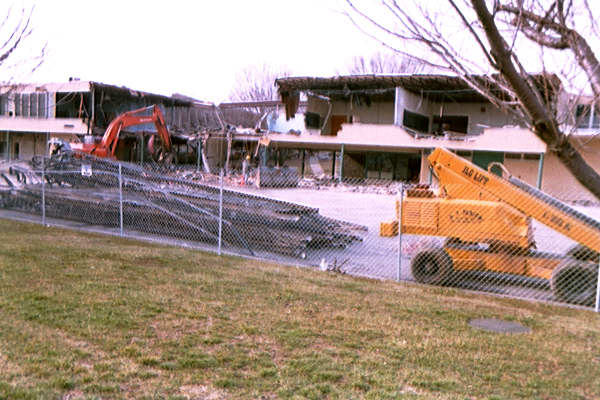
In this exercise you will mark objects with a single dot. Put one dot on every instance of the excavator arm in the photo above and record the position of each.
(107, 147)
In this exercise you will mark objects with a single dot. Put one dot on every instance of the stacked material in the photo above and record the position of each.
(87, 190)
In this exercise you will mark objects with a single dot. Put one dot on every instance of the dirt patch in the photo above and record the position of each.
(198, 392)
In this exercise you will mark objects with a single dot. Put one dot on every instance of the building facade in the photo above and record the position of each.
(384, 126)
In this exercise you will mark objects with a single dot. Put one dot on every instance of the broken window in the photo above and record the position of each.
(415, 121)
(452, 123)
(312, 120)
(72, 105)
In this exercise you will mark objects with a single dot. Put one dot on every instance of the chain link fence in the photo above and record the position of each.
(452, 235)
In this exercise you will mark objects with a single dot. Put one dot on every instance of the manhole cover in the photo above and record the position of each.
(498, 325)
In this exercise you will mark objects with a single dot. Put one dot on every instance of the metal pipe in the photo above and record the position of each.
(142, 149)
(120, 201)
(540, 171)
(399, 216)
(198, 155)
(43, 192)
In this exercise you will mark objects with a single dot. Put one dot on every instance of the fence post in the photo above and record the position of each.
(43, 191)
(399, 216)
(597, 308)
(120, 201)
(220, 211)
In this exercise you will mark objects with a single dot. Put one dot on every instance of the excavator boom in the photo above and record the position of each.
(107, 147)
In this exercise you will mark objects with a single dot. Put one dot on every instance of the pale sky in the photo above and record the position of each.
(191, 47)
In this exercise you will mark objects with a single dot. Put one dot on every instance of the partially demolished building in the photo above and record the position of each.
(31, 114)
(383, 126)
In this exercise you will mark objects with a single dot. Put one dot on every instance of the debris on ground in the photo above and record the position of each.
(86, 189)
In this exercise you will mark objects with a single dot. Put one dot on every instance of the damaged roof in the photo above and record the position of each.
(434, 87)
(78, 86)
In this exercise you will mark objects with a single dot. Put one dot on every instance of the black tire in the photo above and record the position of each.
(583, 253)
(575, 282)
(432, 267)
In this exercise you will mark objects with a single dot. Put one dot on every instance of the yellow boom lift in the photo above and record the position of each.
(487, 222)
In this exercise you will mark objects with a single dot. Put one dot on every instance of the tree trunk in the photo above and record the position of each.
(544, 124)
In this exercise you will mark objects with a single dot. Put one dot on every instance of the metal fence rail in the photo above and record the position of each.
(348, 226)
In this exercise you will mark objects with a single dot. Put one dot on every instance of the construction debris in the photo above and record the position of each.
(86, 189)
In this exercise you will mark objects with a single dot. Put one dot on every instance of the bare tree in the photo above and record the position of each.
(257, 83)
(17, 56)
(490, 48)
(384, 63)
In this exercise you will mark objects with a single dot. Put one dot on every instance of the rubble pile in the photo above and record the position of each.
(347, 185)
(176, 207)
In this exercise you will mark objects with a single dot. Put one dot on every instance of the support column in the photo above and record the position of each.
(341, 164)
(7, 146)
(540, 171)
(333, 165)
(303, 162)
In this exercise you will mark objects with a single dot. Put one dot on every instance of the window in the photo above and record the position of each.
(4, 104)
(513, 156)
(18, 105)
(43, 105)
(586, 116)
(415, 121)
(312, 120)
(33, 105)
(454, 123)
(25, 104)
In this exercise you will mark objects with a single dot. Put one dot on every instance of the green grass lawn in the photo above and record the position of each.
(88, 316)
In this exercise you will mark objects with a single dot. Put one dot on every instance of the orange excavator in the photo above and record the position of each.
(108, 145)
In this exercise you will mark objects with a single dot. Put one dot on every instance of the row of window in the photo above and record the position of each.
(25, 105)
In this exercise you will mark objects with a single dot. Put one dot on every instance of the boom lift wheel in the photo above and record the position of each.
(574, 281)
(432, 266)
(583, 253)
